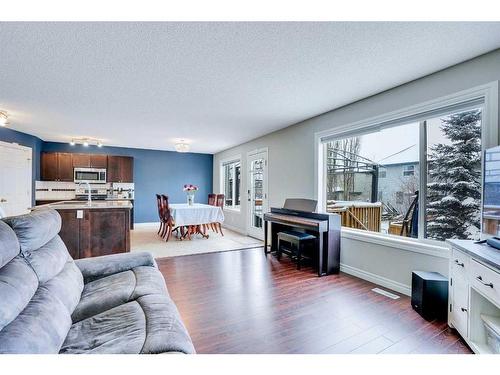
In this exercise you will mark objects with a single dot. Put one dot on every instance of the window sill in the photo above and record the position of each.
(406, 244)
(232, 210)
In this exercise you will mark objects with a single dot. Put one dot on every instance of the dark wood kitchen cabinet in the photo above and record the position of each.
(98, 232)
(98, 161)
(56, 166)
(90, 161)
(120, 169)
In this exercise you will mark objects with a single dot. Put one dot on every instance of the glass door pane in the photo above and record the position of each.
(257, 195)
(257, 192)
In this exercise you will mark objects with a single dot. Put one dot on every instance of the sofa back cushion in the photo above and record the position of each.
(42, 285)
(9, 245)
(35, 229)
(18, 284)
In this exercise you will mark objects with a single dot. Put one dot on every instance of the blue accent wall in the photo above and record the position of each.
(163, 172)
(13, 136)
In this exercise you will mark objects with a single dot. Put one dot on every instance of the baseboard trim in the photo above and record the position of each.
(377, 279)
(147, 224)
(235, 229)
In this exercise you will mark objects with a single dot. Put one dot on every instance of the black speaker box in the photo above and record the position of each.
(429, 294)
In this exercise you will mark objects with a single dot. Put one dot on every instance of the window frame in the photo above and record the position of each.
(223, 164)
(487, 93)
(412, 170)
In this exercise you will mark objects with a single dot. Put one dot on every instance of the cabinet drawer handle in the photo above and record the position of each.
(458, 263)
(480, 279)
(463, 309)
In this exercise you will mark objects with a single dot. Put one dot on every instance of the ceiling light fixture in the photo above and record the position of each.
(86, 142)
(182, 146)
(3, 118)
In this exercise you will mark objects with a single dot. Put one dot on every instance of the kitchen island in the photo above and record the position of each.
(94, 229)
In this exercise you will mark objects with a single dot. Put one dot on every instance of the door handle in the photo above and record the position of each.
(480, 279)
(463, 309)
(458, 263)
(2, 200)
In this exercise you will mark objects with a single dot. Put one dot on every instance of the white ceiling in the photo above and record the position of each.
(216, 85)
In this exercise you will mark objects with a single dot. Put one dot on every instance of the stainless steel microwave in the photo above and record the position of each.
(90, 175)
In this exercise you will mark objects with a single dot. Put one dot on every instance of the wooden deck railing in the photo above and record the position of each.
(359, 215)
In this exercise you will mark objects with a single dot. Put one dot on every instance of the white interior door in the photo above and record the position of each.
(257, 192)
(15, 179)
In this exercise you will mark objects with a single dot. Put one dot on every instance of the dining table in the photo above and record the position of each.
(195, 218)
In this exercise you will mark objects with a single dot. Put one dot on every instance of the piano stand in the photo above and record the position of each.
(326, 227)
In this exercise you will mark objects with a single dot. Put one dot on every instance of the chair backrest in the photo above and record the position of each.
(165, 208)
(300, 204)
(220, 200)
(212, 199)
(160, 207)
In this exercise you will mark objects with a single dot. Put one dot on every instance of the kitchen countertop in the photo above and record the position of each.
(83, 205)
(482, 252)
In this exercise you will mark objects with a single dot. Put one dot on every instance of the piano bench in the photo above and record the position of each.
(296, 239)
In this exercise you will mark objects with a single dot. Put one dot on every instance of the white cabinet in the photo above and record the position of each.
(474, 290)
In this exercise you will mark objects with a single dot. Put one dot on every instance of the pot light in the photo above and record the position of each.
(72, 143)
(99, 144)
(182, 146)
(86, 143)
(3, 118)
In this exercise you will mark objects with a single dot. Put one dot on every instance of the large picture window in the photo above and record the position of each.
(231, 181)
(419, 178)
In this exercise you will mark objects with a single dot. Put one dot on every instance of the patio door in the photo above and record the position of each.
(257, 192)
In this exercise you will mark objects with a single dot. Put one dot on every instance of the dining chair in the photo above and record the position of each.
(219, 202)
(212, 200)
(160, 213)
(169, 226)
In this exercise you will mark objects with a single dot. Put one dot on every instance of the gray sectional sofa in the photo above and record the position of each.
(50, 303)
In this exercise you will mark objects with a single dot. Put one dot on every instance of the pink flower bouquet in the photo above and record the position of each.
(190, 190)
(189, 187)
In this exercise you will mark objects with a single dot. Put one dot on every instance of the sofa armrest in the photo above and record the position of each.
(98, 267)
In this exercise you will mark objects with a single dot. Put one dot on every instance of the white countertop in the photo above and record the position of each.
(83, 205)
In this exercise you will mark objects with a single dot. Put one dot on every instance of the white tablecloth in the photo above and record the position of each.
(184, 214)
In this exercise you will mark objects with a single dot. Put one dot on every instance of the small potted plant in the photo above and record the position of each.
(190, 191)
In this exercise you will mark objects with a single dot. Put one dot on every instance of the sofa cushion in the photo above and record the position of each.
(150, 324)
(50, 259)
(35, 229)
(164, 327)
(67, 286)
(9, 245)
(118, 330)
(40, 328)
(103, 294)
(18, 284)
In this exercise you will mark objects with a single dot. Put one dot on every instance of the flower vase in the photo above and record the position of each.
(190, 198)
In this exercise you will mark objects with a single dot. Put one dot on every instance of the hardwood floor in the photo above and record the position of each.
(243, 302)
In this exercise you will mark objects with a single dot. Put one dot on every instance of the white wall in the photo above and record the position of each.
(291, 164)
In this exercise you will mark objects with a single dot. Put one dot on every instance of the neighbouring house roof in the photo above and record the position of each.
(408, 155)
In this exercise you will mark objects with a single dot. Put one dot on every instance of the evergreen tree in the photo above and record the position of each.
(454, 188)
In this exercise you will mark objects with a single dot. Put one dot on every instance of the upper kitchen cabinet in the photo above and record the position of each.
(81, 160)
(120, 169)
(56, 166)
(98, 161)
(90, 161)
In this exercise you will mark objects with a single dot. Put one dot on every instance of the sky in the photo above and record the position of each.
(379, 145)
